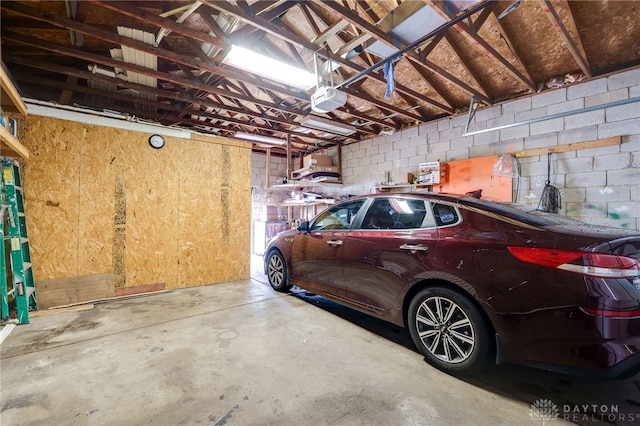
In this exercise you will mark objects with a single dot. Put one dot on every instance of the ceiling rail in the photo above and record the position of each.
(416, 43)
(553, 116)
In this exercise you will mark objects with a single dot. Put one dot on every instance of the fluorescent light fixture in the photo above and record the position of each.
(270, 68)
(100, 118)
(320, 123)
(260, 138)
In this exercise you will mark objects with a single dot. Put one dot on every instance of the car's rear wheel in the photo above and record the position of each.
(277, 272)
(449, 331)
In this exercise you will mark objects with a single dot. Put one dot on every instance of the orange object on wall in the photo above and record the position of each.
(444, 172)
(475, 174)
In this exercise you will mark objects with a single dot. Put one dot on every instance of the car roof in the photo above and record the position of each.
(519, 212)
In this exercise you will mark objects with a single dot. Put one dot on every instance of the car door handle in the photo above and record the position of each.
(334, 243)
(414, 247)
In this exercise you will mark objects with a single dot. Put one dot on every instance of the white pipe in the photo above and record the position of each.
(550, 117)
(118, 121)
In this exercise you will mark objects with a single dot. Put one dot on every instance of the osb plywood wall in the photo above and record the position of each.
(101, 203)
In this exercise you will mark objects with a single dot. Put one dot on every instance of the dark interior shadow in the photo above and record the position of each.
(384, 329)
(551, 395)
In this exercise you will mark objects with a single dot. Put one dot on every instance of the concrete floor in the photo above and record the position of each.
(241, 354)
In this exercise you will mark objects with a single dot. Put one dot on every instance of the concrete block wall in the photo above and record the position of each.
(260, 196)
(598, 185)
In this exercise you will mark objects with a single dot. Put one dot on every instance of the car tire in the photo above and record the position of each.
(449, 331)
(277, 272)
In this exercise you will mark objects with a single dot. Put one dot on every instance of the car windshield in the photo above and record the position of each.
(337, 217)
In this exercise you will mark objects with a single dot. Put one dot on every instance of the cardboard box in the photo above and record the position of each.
(317, 160)
(269, 213)
(429, 173)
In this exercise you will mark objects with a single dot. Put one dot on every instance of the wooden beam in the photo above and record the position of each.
(453, 44)
(616, 140)
(329, 32)
(160, 52)
(195, 47)
(576, 49)
(353, 43)
(310, 21)
(411, 55)
(179, 81)
(70, 86)
(381, 104)
(429, 80)
(366, 8)
(125, 9)
(180, 97)
(472, 33)
(211, 22)
(283, 34)
(268, 171)
(493, 53)
(510, 45)
(246, 30)
(67, 92)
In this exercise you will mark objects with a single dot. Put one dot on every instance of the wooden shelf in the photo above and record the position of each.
(616, 140)
(302, 183)
(11, 102)
(404, 186)
(307, 209)
(10, 146)
(318, 202)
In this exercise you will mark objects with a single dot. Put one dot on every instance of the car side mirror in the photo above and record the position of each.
(303, 227)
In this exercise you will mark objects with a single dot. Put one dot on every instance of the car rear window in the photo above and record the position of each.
(445, 214)
(397, 213)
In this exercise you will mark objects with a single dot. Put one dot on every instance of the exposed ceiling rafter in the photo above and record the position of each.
(61, 52)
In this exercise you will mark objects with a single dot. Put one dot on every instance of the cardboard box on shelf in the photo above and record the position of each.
(317, 160)
(269, 213)
(429, 173)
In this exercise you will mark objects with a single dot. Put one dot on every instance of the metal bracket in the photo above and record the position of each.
(473, 107)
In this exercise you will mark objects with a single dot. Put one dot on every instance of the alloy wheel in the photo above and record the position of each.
(277, 272)
(445, 329)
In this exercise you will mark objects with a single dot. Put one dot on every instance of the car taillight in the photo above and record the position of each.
(592, 264)
(612, 313)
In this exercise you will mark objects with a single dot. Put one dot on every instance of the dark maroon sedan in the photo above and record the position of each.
(475, 281)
